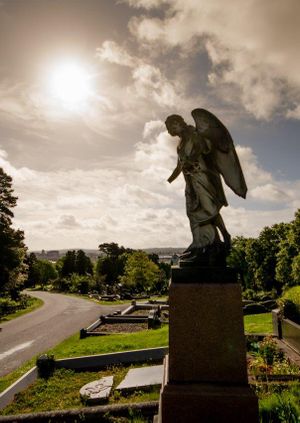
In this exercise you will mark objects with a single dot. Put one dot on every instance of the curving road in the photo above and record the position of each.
(35, 332)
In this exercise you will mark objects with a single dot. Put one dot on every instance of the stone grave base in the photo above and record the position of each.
(205, 375)
(206, 403)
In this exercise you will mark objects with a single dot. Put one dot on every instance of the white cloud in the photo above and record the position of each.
(252, 46)
(152, 126)
(294, 113)
(113, 53)
(134, 205)
(254, 174)
(146, 4)
(270, 192)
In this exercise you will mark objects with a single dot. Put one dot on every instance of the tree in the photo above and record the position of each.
(261, 256)
(83, 265)
(111, 249)
(12, 247)
(237, 259)
(110, 265)
(45, 272)
(68, 264)
(140, 273)
(295, 274)
(32, 273)
(289, 250)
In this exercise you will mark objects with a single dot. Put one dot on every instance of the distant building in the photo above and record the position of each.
(170, 259)
(52, 255)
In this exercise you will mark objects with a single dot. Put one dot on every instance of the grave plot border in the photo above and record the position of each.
(84, 363)
(122, 317)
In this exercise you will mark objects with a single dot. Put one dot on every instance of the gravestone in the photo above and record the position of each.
(142, 378)
(205, 373)
(98, 391)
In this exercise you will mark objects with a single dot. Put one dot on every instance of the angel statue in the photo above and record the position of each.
(204, 153)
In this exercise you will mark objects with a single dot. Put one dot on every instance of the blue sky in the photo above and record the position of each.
(90, 163)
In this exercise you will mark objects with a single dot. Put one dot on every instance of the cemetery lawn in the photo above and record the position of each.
(61, 391)
(34, 303)
(258, 323)
(73, 346)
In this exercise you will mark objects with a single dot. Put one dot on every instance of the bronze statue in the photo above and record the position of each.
(204, 153)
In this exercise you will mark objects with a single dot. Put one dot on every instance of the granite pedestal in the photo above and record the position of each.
(205, 374)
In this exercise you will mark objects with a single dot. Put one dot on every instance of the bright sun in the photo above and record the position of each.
(69, 83)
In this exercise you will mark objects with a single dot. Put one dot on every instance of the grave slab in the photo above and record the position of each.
(142, 378)
(98, 391)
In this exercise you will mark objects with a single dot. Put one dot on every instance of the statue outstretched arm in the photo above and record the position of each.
(176, 172)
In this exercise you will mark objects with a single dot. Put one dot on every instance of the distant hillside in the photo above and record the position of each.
(56, 254)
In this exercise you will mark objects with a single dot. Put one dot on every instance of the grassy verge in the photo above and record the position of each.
(6, 381)
(34, 303)
(258, 323)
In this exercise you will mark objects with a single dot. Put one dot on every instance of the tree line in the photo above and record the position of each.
(118, 270)
(268, 263)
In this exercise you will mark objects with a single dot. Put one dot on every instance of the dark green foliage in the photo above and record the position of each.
(290, 311)
(237, 259)
(113, 250)
(254, 308)
(32, 274)
(269, 262)
(261, 255)
(290, 304)
(83, 264)
(45, 272)
(288, 258)
(277, 408)
(111, 263)
(8, 306)
(68, 264)
(46, 366)
(140, 273)
(62, 284)
(12, 247)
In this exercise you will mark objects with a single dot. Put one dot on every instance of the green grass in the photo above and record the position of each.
(73, 346)
(34, 304)
(61, 391)
(6, 381)
(258, 323)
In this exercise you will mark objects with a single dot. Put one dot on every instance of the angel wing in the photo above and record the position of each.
(225, 157)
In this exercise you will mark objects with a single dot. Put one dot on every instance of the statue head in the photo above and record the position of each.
(175, 124)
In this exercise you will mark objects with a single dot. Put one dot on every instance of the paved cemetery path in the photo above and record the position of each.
(60, 316)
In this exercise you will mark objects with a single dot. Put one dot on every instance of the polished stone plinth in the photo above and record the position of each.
(205, 378)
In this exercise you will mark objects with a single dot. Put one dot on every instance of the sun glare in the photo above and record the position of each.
(69, 83)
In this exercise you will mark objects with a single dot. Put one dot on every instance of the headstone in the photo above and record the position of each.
(205, 374)
(98, 391)
(142, 378)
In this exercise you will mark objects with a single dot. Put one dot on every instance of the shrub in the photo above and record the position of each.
(46, 365)
(290, 304)
(254, 308)
(81, 283)
(250, 294)
(268, 350)
(62, 284)
(8, 306)
(277, 408)
(269, 304)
